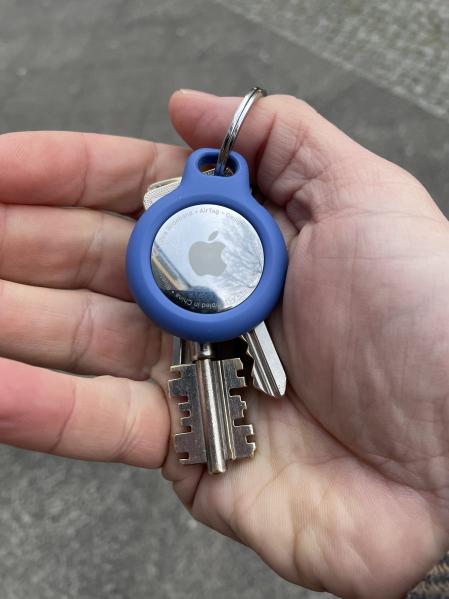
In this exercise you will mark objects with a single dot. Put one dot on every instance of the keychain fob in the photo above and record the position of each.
(207, 262)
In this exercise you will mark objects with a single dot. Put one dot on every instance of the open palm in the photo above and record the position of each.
(348, 489)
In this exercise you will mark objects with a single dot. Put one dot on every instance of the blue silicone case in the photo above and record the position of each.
(232, 192)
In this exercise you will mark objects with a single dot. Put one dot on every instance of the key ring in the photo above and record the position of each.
(237, 121)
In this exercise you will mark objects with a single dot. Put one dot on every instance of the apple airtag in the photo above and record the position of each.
(207, 258)
(206, 262)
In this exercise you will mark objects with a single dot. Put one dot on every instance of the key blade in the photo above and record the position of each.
(190, 442)
(267, 373)
(209, 408)
(237, 434)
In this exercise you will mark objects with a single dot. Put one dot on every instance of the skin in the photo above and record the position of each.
(349, 489)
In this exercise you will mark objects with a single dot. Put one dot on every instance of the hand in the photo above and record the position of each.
(348, 491)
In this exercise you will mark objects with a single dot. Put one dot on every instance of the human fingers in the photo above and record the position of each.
(77, 331)
(65, 248)
(299, 159)
(82, 169)
(105, 418)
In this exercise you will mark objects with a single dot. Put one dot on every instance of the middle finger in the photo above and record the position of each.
(77, 331)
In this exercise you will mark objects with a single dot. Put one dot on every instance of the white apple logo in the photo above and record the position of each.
(205, 257)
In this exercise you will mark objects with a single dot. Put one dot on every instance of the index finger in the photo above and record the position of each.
(83, 169)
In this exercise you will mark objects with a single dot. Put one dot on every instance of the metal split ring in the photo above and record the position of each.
(237, 121)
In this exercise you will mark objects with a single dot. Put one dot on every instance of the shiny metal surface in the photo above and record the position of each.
(159, 189)
(207, 258)
(209, 412)
(200, 351)
(180, 352)
(267, 373)
(237, 121)
(212, 401)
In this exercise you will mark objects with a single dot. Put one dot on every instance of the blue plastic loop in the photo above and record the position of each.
(195, 189)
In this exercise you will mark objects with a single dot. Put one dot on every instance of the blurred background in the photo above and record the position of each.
(379, 70)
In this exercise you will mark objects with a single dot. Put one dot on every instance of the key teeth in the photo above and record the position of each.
(186, 422)
(231, 367)
(241, 382)
(178, 369)
(243, 447)
(237, 407)
(250, 429)
(175, 387)
(185, 443)
(191, 444)
(185, 406)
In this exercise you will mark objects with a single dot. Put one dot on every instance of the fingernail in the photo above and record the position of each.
(193, 92)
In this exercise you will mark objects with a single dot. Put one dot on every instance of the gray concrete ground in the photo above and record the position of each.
(401, 45)
(94, 531)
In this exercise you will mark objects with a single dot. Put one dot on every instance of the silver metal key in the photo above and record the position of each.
(209, 408)
(267, 372)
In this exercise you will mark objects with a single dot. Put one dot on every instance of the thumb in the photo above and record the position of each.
(293, 152)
